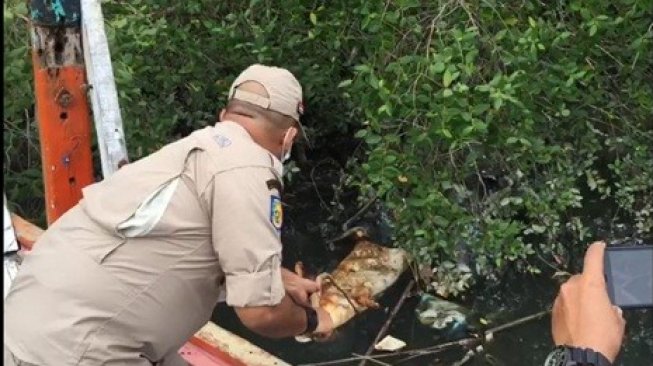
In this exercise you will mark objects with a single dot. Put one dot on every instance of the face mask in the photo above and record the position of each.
(285, 155)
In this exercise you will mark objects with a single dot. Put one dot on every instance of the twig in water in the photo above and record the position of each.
(368, 358)
(387, 323)
(468, 356)
(360, 212)
(518, 322)
(420, 352)
(467, 343)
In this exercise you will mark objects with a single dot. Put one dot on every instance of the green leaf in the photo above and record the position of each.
(360, 134)
(438, 67)
(538, 228)
(446, 79)
(313, 18)
(345, 83)
(532, 22)
(498, 102)
(593, 29)
(480, 108)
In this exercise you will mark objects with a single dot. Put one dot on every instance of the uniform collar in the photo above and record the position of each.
(240, 131)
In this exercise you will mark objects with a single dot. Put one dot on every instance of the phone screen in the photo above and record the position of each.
(629, 275)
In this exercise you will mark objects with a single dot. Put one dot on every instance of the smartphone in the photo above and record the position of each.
(629, 276)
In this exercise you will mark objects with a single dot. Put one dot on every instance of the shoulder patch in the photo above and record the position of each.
(274, 184)
(222, 141)
(276, 212)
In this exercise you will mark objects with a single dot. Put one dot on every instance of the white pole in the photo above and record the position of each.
(103, 94)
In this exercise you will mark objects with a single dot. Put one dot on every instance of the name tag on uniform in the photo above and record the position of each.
(276, 212)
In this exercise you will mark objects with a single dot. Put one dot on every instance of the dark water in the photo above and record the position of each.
(513, 297)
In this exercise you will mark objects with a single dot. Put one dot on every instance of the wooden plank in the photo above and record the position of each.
(212, 337)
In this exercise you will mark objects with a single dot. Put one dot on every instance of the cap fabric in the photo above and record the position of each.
(284, 91)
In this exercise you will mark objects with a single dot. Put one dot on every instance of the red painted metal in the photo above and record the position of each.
(198, 352)
(65, 131)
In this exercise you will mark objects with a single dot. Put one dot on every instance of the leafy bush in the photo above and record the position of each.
(486, 126)
(22, 166)
(489, 125)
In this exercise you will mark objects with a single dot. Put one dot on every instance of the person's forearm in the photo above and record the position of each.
(286, 319)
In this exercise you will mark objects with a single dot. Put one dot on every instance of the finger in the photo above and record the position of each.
(311, 286)
(620, 316)
(570, 283)
(299, 268)
(620, 313)
(302, 299)
(558, 329)
(593, 264)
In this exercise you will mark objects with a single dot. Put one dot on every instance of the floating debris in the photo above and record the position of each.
(390, 344)
(441, 314)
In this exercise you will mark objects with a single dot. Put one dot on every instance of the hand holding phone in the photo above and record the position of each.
(629, 276)
(583, 315)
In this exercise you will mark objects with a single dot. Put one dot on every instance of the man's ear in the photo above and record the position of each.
(221, 114)
(289, 138)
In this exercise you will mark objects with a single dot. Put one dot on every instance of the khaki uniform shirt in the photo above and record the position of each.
(132, 271)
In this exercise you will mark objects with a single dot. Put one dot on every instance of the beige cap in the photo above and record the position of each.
(283, 89)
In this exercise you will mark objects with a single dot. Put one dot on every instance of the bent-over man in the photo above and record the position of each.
(136, 267)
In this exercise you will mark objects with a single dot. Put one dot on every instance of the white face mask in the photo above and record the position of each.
(285, 155)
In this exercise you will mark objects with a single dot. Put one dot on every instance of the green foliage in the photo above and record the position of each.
(486, 126)
(541, 97)
(22, 168)
(174, 61)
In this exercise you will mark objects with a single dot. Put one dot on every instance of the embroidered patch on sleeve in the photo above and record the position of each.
(276, 212)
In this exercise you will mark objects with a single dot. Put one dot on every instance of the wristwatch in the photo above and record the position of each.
(573, 356)
(311, 320)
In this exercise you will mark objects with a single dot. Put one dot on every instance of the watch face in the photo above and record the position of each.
(558, 357)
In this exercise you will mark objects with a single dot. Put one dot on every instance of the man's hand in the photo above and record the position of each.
(583, 315)
(298, 288)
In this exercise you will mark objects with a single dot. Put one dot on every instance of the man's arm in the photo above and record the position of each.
(284, 320)
(265, 320)
(246, 222)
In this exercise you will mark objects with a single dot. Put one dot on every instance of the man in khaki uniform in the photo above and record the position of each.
(131, 272)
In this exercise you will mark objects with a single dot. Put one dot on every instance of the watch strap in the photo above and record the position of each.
(311, 320)
(574, 356)
(587, 356)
